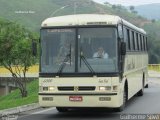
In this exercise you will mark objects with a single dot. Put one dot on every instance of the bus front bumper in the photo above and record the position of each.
(109, 100)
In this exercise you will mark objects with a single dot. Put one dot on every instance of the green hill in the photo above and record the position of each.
(31, 13)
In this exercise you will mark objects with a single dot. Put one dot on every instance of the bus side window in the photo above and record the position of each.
(133, 40)
(141, 42)
(128, 40)
(125, 38)
(137, 38)
(144, 44)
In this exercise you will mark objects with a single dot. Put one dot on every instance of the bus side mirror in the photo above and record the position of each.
(34, 48)
(123, 48)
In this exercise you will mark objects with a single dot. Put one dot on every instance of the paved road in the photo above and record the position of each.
(148, 104)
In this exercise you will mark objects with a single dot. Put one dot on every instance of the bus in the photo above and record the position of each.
(72, 75)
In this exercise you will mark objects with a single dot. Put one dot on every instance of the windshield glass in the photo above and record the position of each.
(57, 50)
(89, 50)
(99, 47)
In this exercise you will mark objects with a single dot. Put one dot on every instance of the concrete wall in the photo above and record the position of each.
(7, 84)
(2, 90)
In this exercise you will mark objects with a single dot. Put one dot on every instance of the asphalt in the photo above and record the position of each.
(144, 107)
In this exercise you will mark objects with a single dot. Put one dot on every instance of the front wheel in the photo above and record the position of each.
(121, 108)
(61, 109)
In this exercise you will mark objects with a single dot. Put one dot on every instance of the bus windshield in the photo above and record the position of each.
(85, 51)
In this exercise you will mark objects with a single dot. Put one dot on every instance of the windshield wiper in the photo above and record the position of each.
(82, 57)
(67, 57)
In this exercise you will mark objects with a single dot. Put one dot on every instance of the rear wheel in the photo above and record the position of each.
(140, 93)
(62, 109)
(146, 86)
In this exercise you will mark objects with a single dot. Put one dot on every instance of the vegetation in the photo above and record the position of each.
(153, 41)
(154, 67)
(15, 44)
(14, 99)
(43, 9)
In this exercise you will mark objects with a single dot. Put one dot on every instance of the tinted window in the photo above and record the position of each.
(137, 39)
(133, 40)
(98, 47)
(128, 38)
(144, 44)
(141, 48)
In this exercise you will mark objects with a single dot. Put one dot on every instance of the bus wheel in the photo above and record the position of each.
(61, 109)
(146, 86)
(121, 108)
(140, 93)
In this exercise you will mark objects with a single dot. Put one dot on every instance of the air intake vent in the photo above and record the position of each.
(77, 88)
(66, 88)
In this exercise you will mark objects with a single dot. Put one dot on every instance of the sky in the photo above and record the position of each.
(129, 2)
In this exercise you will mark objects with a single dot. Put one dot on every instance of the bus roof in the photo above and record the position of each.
(87, 19)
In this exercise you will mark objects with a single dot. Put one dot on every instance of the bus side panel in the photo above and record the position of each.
(135, 67)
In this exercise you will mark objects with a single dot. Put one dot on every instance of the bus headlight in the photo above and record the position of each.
(104, 88)
(51, 88)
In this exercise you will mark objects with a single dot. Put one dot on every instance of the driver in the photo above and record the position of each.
(100, 53)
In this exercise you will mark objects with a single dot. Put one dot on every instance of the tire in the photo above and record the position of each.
(62, 109)
(140, 93)
(146, 86)
(121, 108)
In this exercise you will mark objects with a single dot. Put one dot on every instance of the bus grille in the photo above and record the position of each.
(78, 88)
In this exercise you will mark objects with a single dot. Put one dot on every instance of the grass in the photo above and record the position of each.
(154, 67)
(14, 99)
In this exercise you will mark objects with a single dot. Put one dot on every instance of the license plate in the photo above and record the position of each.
(75, 98)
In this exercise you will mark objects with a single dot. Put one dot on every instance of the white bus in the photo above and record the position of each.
(73, 74)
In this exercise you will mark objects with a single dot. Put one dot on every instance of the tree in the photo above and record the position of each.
(114, 7)
(131, 8)
(135, 12)
(153, 20)
(15, 52)
(106, 3)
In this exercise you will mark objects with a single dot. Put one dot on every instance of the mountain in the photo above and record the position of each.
(31, 13)
(150, 11)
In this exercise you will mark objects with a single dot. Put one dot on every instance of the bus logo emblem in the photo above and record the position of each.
(76, 88)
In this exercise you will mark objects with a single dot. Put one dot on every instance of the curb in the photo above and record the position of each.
(154, 74)
(19, 109)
